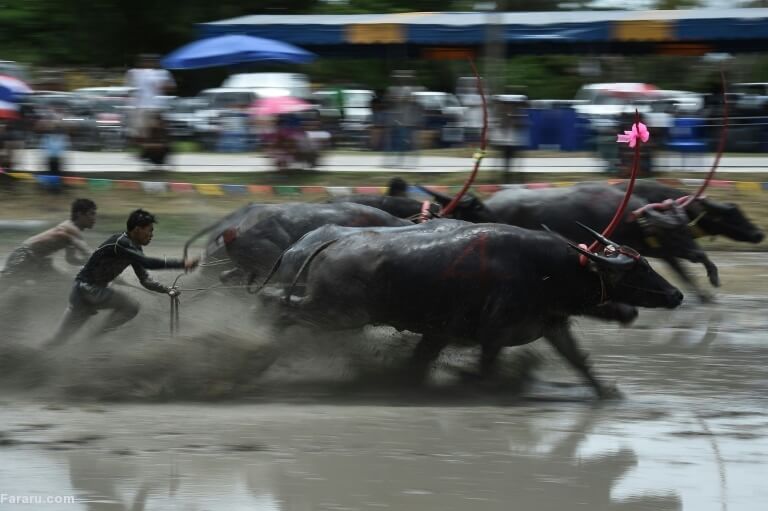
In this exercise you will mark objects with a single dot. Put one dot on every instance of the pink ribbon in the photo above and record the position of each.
(639, 131)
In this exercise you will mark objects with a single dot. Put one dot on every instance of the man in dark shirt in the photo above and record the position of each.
(91, 291)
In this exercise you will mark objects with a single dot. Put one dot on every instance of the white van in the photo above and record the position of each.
(271, 84)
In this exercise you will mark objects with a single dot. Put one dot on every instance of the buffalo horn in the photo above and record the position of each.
(599, 237)
(620, 262)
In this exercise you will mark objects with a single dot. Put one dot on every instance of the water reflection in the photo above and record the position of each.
(400, 459)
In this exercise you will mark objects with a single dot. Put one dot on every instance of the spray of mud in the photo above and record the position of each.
(226, 350)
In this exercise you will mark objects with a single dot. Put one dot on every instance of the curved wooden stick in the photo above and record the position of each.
(478, 157)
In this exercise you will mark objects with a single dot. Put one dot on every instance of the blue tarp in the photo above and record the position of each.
(571, 31)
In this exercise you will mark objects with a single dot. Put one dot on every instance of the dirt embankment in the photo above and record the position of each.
(182, 214)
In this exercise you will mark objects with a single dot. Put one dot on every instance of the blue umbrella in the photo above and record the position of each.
(232, 49)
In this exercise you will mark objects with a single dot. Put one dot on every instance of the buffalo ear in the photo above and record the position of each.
(673, 220)
(720, 207)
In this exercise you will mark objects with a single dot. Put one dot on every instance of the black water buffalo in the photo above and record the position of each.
(215, 260)
(402, 207)
(709, 217)
(661, 234)
(469, 208)
(258, 239)
(455, 282)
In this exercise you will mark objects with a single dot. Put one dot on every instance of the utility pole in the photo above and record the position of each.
(494, 51)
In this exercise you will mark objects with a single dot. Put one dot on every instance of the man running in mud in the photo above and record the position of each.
(33, 259)
(91, 292)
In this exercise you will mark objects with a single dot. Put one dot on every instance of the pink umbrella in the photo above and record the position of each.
(278, 105)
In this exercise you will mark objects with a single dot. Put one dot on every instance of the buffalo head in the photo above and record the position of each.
(469, 208)
(626, 276)
(724, 219)
(668, 235)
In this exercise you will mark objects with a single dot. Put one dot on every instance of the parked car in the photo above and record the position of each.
(73, 113)
(607, 101)
(349, 123)
(182, 117)
(14, 69)
(444, 114)
(105, 92)
(111, 115)
(217, 103)
(271, 84)
(753, 96)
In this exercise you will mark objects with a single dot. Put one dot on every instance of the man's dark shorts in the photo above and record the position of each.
(87, 298)
(22, 263)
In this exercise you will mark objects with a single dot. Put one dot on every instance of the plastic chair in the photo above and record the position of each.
(686, 137)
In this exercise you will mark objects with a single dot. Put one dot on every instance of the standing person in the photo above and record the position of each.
(91, 292)
(6, 147)
(54, 142)
(509, 133)
(405, 120)
(157, 146)
(32, 260)
(149, 82)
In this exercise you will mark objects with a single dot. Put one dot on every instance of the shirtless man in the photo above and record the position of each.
(91, 291)
(33, 259)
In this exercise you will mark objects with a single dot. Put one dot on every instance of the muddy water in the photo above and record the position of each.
(324, 430)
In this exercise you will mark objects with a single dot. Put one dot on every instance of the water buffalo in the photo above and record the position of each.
(257, 240)
(469, 208)
(661, 234)
(709, 217)
(215, 260)
(487, 284)
(401, 207)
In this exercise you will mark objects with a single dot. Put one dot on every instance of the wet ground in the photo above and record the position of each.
(143, 421)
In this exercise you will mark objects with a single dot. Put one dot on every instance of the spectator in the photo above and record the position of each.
(233, 135)
(149, 83)
(157, 146)
(508, 135)
(405, 119)
(6, 147)
(54, 143)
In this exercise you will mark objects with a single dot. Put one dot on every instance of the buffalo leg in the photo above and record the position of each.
(674, 263)
(563, 341)
(614, 311)
(489, 357)
(426, 352)
(488, 366)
